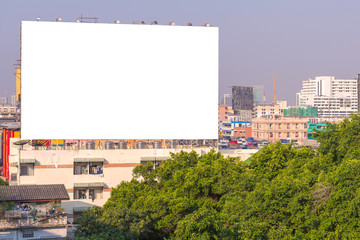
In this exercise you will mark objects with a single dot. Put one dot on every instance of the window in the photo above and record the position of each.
(279, 134)
(86, 168)
(80, 194)
(13, 177)
(288, 126)
(279, 125)
(91, 193)
(296, 134)
(271, 135)
(28, 233)
(26, 169)
(287, 134)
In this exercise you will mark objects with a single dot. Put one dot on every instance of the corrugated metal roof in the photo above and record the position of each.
(23, 193)
(95, 159)
(29, 160)
(94, 184)
(80, 209)
(152, 158)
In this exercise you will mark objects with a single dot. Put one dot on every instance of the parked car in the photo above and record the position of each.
(233, 144)
(244, 147)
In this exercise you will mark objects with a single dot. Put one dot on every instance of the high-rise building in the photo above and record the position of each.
(242, 98)
(259, 95)
(13, 100)
(227, 99)
(3, 101)
(333, 97)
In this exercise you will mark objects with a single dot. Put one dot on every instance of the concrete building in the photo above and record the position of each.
(88, 174)
(333, 97)
(275, 128)
(266, 110)
(8, 111)
(298, 111)
(13, 100)
(242, 98)
(235, 127)
(224, 112)
(226, 100)
(259, 95)
(3, 100)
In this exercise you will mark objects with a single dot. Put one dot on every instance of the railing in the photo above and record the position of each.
(148, 145)
(17, 219)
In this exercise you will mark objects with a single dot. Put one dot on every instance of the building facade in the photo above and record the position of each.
(242, 98)
(266, 110)
(276, 128)
(333, 97)
(259, 95)
(89, 175)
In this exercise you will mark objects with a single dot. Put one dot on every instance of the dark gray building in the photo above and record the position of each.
(242, 98)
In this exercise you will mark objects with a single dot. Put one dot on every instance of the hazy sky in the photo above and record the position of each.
(296, 39)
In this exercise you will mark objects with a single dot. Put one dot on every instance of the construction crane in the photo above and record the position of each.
(274, 88)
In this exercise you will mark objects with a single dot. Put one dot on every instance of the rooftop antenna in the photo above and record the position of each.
(274, 88)
(93, 19)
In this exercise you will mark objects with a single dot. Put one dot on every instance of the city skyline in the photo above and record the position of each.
(296, 41)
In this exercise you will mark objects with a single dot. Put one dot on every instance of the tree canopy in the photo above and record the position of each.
(285, 192)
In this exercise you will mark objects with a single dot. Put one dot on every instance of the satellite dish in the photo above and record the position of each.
(154, 22)
(21, 142)
(172, 23)
(189, 24)
(117, 21)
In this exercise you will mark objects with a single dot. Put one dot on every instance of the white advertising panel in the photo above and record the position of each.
(118, 81)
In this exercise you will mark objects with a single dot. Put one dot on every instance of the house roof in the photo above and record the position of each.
(32, 193)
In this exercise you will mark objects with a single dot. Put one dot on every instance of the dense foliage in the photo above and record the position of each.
(284, 192)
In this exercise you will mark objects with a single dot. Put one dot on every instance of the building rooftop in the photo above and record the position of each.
(32, 193)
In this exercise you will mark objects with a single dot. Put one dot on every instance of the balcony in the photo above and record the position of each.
(15, 219)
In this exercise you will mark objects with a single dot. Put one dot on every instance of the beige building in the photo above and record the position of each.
(269, 109)
(88, 174)
(274, 128)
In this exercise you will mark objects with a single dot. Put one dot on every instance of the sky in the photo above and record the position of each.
(294, 39)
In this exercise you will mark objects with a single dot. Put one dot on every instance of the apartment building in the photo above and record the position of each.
(333, 97)
(88, 174)
(7, 110)
(275, 128)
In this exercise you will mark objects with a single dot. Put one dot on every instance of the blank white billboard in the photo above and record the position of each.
(118, 81)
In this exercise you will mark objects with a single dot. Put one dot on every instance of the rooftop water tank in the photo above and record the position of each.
(173, 143)
(109, 145)
(122, 145)
(140, 145)
(90, 145)
(157, 144)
